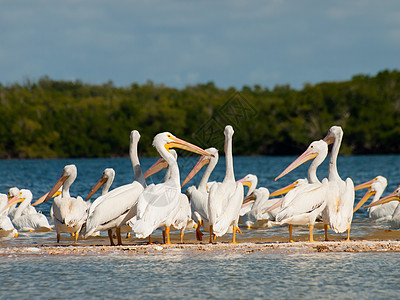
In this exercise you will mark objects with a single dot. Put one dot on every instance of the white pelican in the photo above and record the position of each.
(395, 196)
(29, 209)
(339, 210)
(158, 204)
(184, 214)
(376, 187)
(110, 211)
(105, 181)
(257, 216)
(282, 191)
(7, 228)
(69, 213)
(226, 197)
(303, 204)
(250, 181)
(29, 221)
(199, 196)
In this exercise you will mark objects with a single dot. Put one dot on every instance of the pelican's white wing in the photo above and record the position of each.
(341, 221)
(157, 206)
(112, 205)
(230, 213)
(305, 206)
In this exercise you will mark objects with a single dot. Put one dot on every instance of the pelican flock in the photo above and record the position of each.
(217, 207)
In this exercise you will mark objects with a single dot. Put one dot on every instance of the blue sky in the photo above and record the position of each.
(178, 43)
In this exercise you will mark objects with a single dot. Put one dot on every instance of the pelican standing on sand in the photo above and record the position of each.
(303, 204)
(226, 197)
(69, 213)
(184, 214)
(340, 210)
(199, 196)
(109, 211)
(158, 204)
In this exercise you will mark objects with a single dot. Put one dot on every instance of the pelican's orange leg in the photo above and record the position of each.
(211, 234)
(199, 234)
(326, 232)
(290, 233)
(348, 234)
(311, 234)
(167, 233)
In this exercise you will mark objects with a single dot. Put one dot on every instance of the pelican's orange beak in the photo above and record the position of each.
(275, 205)
(204, 160)
(393, 196)
(329, 139)
(245, 182)
(306, 156)
(95, 188)
(364, 199)
(178, 143)
(53, 191)
(248, 199)
(364, 185)
(159, 165)
(13, 200)
(285, 189)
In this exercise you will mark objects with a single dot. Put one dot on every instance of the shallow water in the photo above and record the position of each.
(228, 276)
(203, 275)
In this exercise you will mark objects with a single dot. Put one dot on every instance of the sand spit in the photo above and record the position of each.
(299, 247)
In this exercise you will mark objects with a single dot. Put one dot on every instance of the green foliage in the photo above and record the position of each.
(49, 118)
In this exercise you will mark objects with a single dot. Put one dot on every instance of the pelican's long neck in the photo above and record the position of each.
(333, 172)
(377, 196)
(229, 175)
(312, 170)
(137, 170)
(23, 206)
(107, 185)
(172, 165)
(206, 175)
(66, 186)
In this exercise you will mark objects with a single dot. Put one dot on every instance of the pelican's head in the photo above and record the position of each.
(392, 197)
(67, 177)
(20, 197)
(249, 180)
(12, 192)
(316, 148)
(204, 160)
(228, 131)
(333, 133)
(108, 175)
(289, 187)
(135, 136)
(376, 185)
(168, 140)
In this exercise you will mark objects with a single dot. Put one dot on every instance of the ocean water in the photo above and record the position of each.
(203, 275)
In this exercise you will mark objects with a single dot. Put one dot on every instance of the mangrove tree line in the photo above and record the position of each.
(51, 118)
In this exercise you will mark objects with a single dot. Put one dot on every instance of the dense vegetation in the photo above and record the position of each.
(50, 118)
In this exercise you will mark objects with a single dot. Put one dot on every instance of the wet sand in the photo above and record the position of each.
(376, 241)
